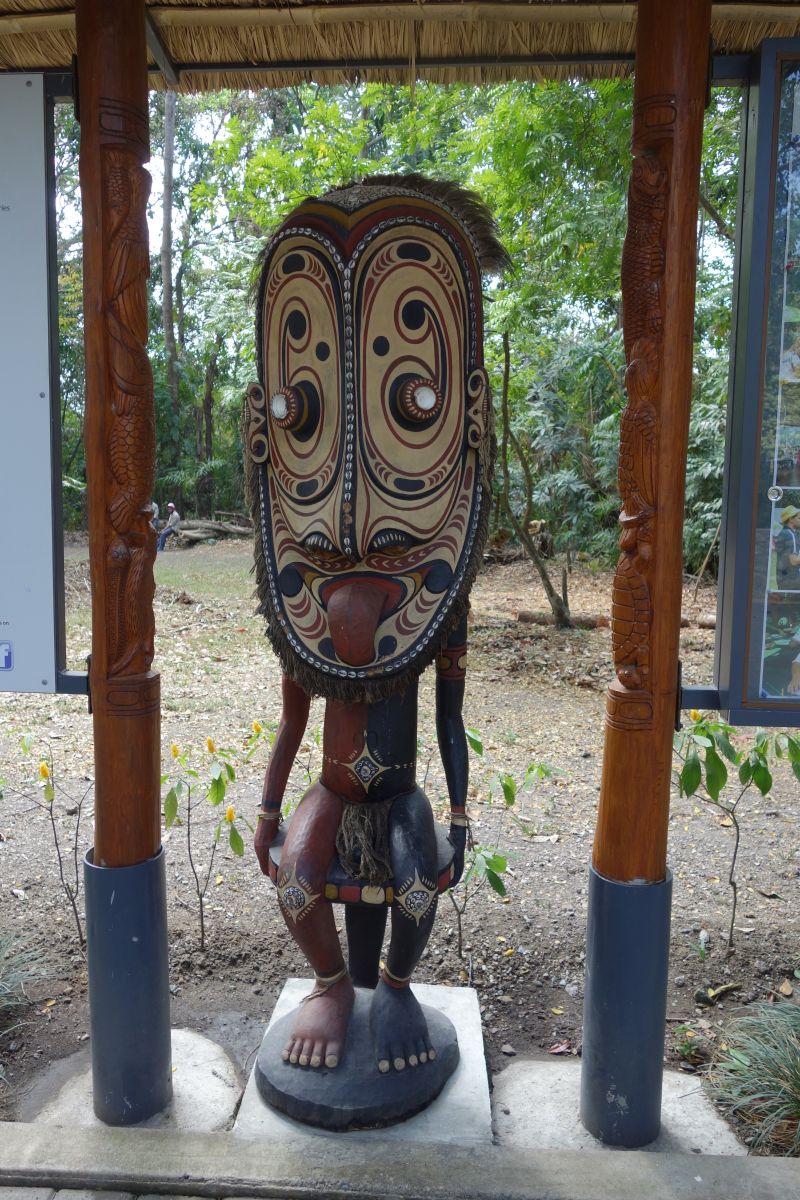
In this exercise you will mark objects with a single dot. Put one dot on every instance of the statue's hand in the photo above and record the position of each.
(266, 828)
(458, 840)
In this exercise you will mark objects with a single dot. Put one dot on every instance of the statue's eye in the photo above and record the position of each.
(420, 399)
(296, 409)
(286, 407)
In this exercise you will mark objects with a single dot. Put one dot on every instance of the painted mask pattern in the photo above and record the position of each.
(369, 435)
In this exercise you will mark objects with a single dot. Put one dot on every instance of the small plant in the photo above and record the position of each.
(756, 1076)
(486, 865)
(691, 1046)
(703, 749)
(189, 790)
(41, 794)
(20, 964)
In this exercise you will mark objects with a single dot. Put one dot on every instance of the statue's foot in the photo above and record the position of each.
(399, 1029)
(319, 1030)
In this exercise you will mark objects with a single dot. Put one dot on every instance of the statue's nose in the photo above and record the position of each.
(348, 538)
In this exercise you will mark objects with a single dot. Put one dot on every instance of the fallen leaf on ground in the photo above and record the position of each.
(564, 1047)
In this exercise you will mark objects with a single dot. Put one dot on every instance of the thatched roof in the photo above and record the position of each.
(209, 44)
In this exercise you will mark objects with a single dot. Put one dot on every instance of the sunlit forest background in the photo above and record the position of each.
(552, 163)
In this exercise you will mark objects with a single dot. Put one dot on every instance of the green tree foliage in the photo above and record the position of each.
(552, 162)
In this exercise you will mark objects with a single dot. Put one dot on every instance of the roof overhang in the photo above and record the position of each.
(203, 45)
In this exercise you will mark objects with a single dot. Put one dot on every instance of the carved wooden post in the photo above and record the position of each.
(630, 884)
(126, 916)
(120, 428)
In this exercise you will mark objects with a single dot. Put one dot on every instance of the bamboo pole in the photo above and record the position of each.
(120, 428)
(658, 284)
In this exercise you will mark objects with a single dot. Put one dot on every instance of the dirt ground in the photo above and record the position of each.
(535, 695)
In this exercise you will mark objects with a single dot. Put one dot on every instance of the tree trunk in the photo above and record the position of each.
(167, 300)
(205, 432)
(558, 604)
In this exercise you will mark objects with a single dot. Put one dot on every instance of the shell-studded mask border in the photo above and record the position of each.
(369, 436)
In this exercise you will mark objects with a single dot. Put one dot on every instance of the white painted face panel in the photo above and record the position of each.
(27, 606)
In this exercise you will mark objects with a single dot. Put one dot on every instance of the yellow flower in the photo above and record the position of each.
(175, 750)
(695, 715)
(44, 770)
(210, 746)
(257, 727)
(230, 814)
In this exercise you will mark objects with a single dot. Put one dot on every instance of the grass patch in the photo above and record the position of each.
(20, 965)
(756, 1078)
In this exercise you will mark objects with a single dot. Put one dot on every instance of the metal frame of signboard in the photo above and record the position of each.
(57, 89)
(744, 541)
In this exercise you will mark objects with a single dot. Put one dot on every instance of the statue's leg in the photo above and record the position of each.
(399, 1029)
(365, 926)
(319, 1030)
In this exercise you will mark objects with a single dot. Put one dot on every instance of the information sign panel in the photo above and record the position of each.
(29, 654)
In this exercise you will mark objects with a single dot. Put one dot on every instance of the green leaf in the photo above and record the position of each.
(49, 792)
(725, 745)
(716, 773)
(25, 743)
(170, 807)
(538, 770)
(474, 739)
(229, 771)
(691, 774)
(745, 772)
(509, 786)
(496, 883)
(216, 769)
(496, 862)
(235, 841)
(216, 791)
(761, 777)
(701, 740)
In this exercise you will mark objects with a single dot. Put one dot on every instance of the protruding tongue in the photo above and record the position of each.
(354, 611)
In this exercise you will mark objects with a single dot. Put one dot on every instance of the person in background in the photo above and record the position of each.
(787, 548)
(172, 525)
(154, 516)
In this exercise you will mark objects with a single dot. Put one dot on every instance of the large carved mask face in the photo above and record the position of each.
(369, 435)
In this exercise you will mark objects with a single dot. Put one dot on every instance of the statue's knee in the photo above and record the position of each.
(299, 890)
(416, 894)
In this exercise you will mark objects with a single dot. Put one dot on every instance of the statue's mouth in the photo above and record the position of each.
(391, 591)
(356, 606)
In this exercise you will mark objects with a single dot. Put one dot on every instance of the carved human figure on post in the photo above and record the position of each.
(369, 447)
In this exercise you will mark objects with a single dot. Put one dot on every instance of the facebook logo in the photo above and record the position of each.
(6, 656)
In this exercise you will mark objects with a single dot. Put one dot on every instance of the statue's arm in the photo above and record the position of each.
(450, 676)
(292, 726)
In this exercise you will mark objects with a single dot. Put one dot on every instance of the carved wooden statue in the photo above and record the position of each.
(369, 445)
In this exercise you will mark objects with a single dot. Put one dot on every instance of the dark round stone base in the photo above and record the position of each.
(354, 1095)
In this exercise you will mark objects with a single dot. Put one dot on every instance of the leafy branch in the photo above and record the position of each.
(703, 749)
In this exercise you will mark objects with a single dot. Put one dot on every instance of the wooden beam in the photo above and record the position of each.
(658, 286)
(119, 428)
(155, 44)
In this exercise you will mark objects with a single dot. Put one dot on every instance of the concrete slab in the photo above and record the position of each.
(350, 1168)
(536, 1107)
(460, 1115)
(22, 1193)
(206, 1090)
